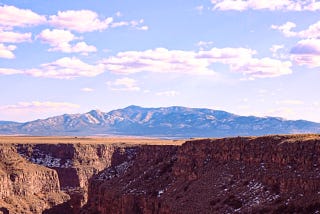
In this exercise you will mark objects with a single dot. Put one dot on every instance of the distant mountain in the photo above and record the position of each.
(160, 122)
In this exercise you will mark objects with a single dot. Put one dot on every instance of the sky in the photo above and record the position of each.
(248, 57)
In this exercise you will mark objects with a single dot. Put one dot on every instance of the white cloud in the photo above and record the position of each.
(284, 5)
(87, 89)
(36, 109)
(307, 52)
(80, 21)
(313, 31)
(286, 29)
(11, 16)
(82, 47)
(265, 67)
(204, 44)
(226, 55)
(171, 93)
(136, 24)
(56, 37)
(60, 40)
(9, 71)
(123, 84)
(276, 51)
(120, 24)
(161, 60)
(6, 51)
(66, 68)
(13, 37)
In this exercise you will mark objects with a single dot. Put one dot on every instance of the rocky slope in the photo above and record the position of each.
(26, 187)
(74, 163)
(161, 122)
(273, 174)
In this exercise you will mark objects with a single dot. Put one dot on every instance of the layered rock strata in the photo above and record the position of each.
(74, 163)
(272, 174)
(26, 187)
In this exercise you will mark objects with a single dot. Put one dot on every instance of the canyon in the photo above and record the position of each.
(268, 174)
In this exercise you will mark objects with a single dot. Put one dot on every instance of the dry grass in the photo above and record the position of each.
(86, 140)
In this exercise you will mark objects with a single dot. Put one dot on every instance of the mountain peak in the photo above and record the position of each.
(95, 111)
(175, 121)
(133, 107)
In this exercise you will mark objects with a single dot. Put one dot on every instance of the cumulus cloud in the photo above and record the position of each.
(11, 16)
(307, 46)
(307, 52)
(313, 31)
(80, 21)
(13, 37)
(66, 68)
(56, 38)
(285, 5)
(161, 60)
(171, 93)
(286, 29)
(265, 67)
(60, 40)
(124, 84)
(7, 51)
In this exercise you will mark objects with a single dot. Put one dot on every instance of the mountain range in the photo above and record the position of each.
(169, 122)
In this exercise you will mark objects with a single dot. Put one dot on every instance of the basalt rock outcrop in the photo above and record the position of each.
(74, 163)
(272, 174)
(26, 187)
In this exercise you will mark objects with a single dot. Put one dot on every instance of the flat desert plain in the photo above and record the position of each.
(87, 140)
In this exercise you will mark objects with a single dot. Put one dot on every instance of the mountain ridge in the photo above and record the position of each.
(174, 121)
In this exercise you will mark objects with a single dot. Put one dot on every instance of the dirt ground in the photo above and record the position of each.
(87, 140)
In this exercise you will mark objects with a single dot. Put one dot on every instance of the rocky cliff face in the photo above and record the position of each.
(74, 163)
(26, 187)
(273, 174)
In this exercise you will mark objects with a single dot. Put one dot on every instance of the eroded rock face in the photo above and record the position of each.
(74, 163)
(273, 174)
(26, 187)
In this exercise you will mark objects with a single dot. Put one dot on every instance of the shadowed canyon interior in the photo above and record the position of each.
(270, 174)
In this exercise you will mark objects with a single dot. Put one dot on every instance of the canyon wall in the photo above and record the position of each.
(74, 163)
(272, 174)
(26, 187)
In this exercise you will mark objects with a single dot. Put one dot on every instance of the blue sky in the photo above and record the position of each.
(249, 57)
